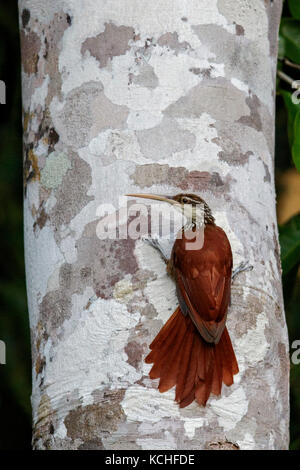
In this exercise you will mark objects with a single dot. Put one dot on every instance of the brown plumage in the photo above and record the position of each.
(193, 350)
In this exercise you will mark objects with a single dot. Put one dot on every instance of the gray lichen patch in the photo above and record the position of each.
(245, 17)
(243, 58)
(145, 78)
(90, 423)
(57, 165)
(30, 49)
(284, 365)
(41, 218)
(75, 119)
(87, 111)
(254, 307)
(235, 158)
(202, 98)
(72, 196)
(53, 35)
(252, 120)
(267, 177)
(91, 269)
(161, 141)
(258, 388)
(135, 353)
(147, 175)
(41, 44)
(90, 249)
(171, 41)
(149, 312)
(231, 150)
(112, 42)
(235, 137)
(117, 261)
(273, 10)
(54, 309)
(107, 115)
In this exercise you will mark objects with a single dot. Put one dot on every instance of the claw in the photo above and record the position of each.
(243, 266)
(154, 242)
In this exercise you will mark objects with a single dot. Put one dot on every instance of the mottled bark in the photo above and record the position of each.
(162, 97)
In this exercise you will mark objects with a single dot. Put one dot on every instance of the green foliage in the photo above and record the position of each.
(296, 141)
(281, 49)
(294, 6)
(290, 42)
(289, 237)
(293, 111)
(289, 61)
(288, 154)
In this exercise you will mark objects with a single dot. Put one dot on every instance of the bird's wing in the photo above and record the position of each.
(203, 280)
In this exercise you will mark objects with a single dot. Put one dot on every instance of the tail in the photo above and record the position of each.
(182, 358)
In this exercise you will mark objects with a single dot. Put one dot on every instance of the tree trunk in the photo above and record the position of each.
(158, 97)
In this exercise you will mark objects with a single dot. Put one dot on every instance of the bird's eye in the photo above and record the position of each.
(184, 200)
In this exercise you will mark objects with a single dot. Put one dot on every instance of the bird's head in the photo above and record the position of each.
(193, 207)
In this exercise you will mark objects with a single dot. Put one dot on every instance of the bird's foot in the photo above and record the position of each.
(244, 266)
(154, 242)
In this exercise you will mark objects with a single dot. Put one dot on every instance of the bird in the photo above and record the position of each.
(193, 351)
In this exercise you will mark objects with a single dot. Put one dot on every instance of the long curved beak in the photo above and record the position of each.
(155, 197)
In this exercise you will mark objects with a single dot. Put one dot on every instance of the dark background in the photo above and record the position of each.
(15, 376)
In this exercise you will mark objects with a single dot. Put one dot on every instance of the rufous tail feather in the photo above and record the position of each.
(182, 358)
